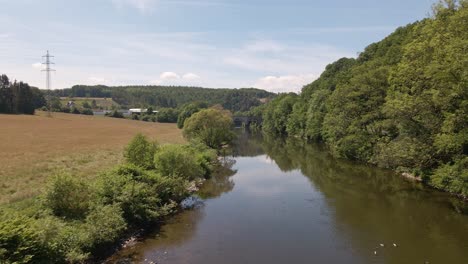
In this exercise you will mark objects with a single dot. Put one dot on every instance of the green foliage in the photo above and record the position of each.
(105, 224)
(115, 114)
(19, 97)
(149, 111)
(20, 242)
(210, 126)
(145, 118)
(141, 151)
(167, 115)
(76, 220)
(87, 105)
(87, 111)
(187, 111)
(277, 112)
(401, 104)
(452, 177)
(68, 197)
(184, 161)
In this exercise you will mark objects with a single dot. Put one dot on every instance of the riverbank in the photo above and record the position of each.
(76, 219)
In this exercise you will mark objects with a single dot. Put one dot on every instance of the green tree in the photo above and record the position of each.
(211, 126)
(141, 151)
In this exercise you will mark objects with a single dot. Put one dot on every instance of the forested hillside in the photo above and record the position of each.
(402, 104)
(171, 96)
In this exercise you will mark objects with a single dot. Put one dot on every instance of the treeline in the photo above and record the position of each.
(19, 97)
(171, 96)
(402, 104)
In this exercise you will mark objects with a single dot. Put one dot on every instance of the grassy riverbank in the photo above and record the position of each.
(75, 219)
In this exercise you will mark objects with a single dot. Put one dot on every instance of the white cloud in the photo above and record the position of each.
(169, 76)
(287, 83)
(190, 76)
(142, 5)
(37, 65)
(97, 80)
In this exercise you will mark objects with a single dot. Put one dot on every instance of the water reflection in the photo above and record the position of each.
(290, 202)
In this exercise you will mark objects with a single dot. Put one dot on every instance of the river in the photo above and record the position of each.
(291, 202)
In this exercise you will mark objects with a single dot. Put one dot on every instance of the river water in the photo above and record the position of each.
(290, 202)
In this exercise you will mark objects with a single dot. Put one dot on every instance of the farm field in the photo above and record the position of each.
(105, 103)
(35, 147)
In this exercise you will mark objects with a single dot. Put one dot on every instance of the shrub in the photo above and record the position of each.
(68, 197)
(65, 109)
(87, 111)
(142, 195)
(75, 110)
(167, 115)
(177, 161)
(20, 242)
(105, 224)
(145, 118)
(115, 114)
(141, 151)
(452, 177)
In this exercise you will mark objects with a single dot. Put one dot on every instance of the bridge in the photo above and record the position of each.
(240, 121)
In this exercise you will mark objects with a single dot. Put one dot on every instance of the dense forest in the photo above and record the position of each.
(401, 104)
(171, 96)
(18, 97)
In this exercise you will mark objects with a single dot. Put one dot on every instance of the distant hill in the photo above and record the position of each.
(171, 96)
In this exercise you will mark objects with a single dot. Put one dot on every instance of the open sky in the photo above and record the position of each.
(277, 45)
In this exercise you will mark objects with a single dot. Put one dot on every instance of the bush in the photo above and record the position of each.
(75, 110)
(142, 195)
(452, 177)
(87, 111)
(68, 197)
(105, 224)
(65, 109)
(20, 242)
(141, 151)
(167, 115)
(145, 118)
(179, 161)
(115, 114)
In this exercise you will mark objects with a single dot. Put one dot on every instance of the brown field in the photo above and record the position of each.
(34, 147)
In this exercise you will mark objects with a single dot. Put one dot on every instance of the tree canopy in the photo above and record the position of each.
(402, 104)
(171, 96)
(210, 126)
(19, 97)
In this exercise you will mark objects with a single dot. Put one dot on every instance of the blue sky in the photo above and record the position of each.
(270, 44)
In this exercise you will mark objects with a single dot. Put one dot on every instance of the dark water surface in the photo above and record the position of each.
(290, 202)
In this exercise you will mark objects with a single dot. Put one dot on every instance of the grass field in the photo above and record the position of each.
(34, 147)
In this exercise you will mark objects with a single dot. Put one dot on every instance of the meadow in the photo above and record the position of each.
(33, 148)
